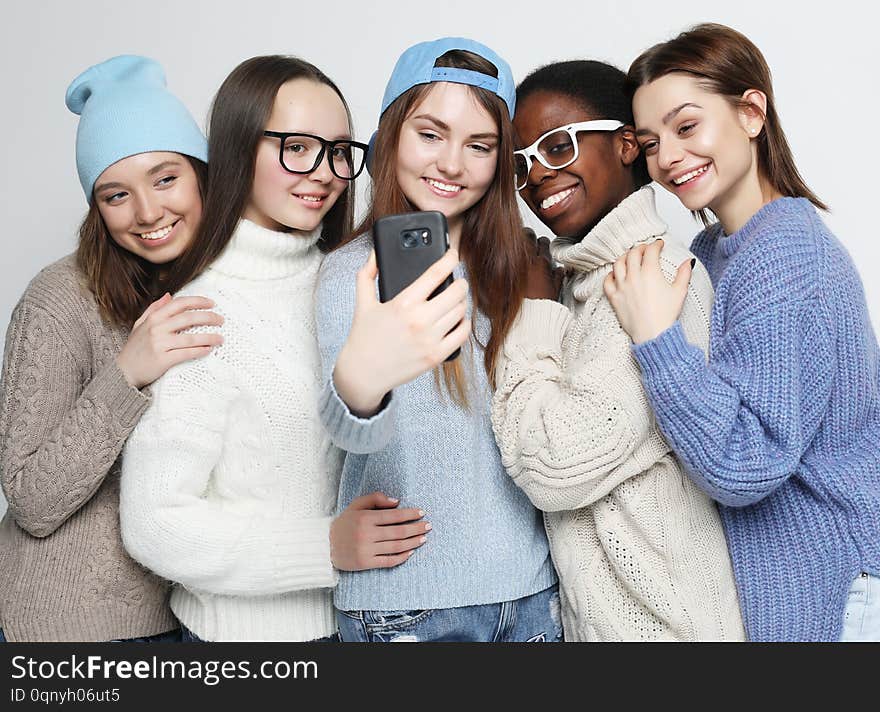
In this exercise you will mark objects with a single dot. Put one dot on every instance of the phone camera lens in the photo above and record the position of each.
(409, 239)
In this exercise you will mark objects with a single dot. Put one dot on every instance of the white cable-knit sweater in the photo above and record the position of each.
(229, 480)
(639, 548)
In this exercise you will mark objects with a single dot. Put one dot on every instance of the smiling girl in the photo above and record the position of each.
(86, 339)
(444, 143)
(639, 548)
(230, 482)
(782, 425)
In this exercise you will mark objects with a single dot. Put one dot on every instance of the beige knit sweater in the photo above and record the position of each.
(639, 549)
(65, 412)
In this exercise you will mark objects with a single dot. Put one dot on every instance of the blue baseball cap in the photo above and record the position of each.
(416, 66)
(125, 109)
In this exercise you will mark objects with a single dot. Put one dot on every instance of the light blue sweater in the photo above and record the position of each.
(487, 543)
(782, 426)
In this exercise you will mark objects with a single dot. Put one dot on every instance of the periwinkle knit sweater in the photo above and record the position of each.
(488, 543)
(639, 548)
(65, 412)
(229, 481)
(782, 426)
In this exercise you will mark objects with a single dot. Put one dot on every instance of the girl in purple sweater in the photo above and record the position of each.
(782, 425)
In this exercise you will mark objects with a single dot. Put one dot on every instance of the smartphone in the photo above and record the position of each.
(406, 245)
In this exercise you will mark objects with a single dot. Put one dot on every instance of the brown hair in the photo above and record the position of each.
(492, 245)
(123, 283)
(728, 63)
(238, 117)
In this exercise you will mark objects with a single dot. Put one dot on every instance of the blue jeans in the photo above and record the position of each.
(532, 619)
(861, 617)
(172, 636)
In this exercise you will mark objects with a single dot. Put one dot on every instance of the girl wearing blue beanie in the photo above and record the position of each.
(416, 431)
(85, 341)
(229, 483)
(782, 425)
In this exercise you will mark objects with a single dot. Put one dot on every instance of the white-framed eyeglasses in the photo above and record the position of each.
(557, 148)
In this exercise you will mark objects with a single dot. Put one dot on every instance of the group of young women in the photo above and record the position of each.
(209, 400)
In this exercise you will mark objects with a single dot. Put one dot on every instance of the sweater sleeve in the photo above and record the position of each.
(568, 432)
(335, 303)
(237, 542)
(58, 437)
(741, 423)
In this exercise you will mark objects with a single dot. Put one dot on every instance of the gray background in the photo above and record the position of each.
(824, 61)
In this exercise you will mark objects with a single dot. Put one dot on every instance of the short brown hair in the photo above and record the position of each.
(727, 62)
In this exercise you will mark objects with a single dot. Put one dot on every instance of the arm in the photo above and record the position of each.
(335, 306)
(234, 542)
(58, 439)
(568, 432)
(741, 423)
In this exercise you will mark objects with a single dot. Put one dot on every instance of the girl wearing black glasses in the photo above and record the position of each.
(231, 481)
(639, 548)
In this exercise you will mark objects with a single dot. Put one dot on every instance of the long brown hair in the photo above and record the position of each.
(123, 283)
(728, 63)
(238, 117)
(492, 245)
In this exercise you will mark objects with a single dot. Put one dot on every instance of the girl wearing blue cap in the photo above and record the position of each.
(782, 425)
(639, 548)
(85, 341)
(229, 482)
(444, 143)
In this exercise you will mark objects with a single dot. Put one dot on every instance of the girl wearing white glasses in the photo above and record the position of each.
(639, 548)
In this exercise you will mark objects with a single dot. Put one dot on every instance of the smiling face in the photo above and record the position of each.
(151, 204)
(700, 147)
(281, 200)
(447, 153)
(571, 200)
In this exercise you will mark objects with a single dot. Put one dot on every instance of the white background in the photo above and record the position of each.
(823, 56)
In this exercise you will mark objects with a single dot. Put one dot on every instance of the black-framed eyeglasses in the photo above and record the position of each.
(302, 153)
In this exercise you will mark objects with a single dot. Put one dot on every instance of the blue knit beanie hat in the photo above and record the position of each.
(125, 109)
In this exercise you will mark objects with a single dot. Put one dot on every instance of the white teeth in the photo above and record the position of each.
(157, 234)
(444, 186)
(550, 201)
(310, 198)
(688, 176)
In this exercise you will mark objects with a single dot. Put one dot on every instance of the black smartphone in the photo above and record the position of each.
(406, 245)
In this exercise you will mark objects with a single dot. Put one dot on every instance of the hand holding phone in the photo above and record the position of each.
(393, 342)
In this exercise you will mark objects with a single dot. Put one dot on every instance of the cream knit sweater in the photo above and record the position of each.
(229, 481)
(639, 549)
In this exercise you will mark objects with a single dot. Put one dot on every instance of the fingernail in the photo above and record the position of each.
(693, 262)
(428, 527)
(423, 540)
(421, 512)
(393, 499)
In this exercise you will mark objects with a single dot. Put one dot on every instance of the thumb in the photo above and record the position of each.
(683, 276)
(374, 500)
(366, 281)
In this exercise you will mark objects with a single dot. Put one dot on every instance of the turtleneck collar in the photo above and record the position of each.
(255, 252)
(633, 222)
